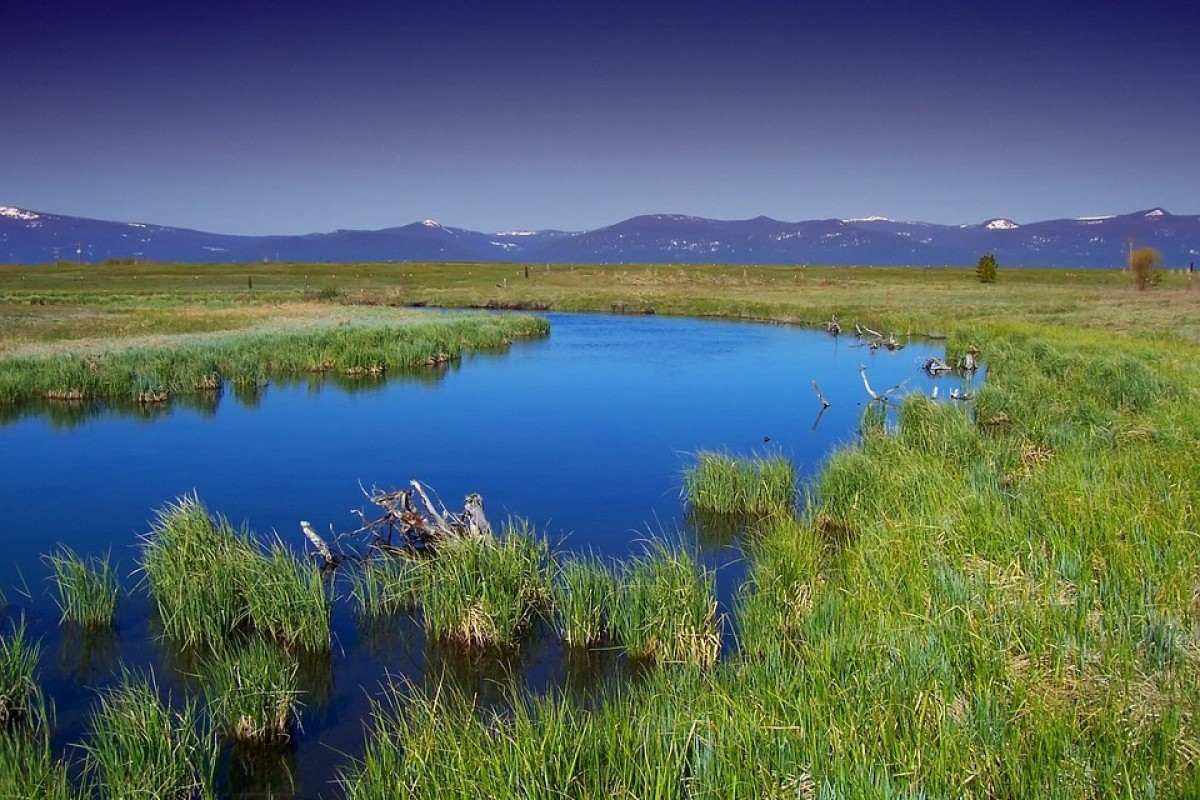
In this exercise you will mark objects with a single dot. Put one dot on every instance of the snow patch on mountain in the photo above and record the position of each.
(17, 213)
(1158, 212)
(1001, 225)
(868, 219)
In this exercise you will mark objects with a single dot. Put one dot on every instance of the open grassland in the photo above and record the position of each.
(54, 303)
(997, 602)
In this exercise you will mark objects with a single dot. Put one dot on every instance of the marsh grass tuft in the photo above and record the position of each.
(760, 486)
(210, 581)
(385, 585)
(583, 596)
(28, 768)
(88, 589)
(484, 593)
(665, 609)
(140, 747)
(252, 691)
(19, 694)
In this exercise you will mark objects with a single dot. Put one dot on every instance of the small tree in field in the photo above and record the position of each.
(1146, 265)
(987, 268)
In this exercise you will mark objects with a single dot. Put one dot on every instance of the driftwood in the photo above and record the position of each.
(410, 520)
(876, 340)
(936, 366)
(880, 397)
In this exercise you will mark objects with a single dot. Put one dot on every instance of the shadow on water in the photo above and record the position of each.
(585, 433)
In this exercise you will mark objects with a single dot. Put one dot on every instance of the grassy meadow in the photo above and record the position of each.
(993, 601)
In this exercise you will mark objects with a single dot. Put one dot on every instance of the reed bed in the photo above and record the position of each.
(19, 694)
(88, 589)
(210, 581)
(785, 578)
(28, 768)
(155, 374)
(583, 597)
(287, 599)
(387, 585)
(484, 593)
(252, 692)
(760, 486)
(665, 610)
(140, 747)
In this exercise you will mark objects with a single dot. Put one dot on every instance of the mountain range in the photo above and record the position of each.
(34, 237)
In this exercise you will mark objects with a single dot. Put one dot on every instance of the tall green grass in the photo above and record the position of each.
(19, 694)
(28, 768)
(665, 609)
(155, 374)
(760, 486)
(140, 747)
(385, 585)
(485, 593)
(252, 691)
(583, 596)
(210, 581)
(87, 589)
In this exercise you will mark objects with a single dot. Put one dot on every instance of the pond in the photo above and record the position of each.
(584, 434)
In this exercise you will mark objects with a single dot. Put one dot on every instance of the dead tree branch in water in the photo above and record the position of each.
(409, 514)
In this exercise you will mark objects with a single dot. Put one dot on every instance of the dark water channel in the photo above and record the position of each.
(584, 434)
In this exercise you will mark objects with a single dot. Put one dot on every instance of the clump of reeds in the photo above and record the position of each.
(195, 565)
(758, 486)
(485, 592)
(210, 581)
(583, 597)
(665, 609)
(385, 585)
(140, 748)
(28, 768)
(252, 690)
(784, 579)
(18, 661)
(154, 375)
(286, 598)
(87, 588)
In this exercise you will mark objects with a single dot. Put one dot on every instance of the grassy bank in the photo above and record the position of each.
(155, 373)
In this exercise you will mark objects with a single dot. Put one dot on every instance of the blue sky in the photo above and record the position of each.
(294, 117)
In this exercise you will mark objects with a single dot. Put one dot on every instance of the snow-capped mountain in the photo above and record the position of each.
(1101, 241)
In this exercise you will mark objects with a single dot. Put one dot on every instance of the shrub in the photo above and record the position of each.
(987, 268)
(1146, 265)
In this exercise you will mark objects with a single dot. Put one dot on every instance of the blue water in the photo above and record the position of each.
(585, 434)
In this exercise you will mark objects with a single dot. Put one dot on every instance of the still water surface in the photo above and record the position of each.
(585, 434)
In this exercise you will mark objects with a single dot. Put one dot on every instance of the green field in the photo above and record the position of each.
(996, 604)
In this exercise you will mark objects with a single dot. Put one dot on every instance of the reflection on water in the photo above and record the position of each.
(586, 434)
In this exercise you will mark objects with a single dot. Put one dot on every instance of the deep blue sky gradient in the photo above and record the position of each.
(293, 117)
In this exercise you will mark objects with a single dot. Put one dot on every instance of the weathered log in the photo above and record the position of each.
(878, 396)
(317, 542)
(473, 518)
(936, 366)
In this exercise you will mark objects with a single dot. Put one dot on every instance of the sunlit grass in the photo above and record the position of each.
(664, 610)
(88, 589)
(19, 692)
(252, 691)
(485, 593)
(721, 483)
(140, 747)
